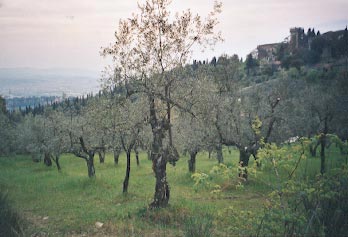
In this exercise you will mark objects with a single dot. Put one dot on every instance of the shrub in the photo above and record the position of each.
(202, 181)
(199, 226)
(11, 224)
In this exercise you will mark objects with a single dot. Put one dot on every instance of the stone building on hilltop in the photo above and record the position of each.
(267, 51)
(298, 39)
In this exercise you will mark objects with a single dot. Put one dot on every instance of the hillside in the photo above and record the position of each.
(230, 147)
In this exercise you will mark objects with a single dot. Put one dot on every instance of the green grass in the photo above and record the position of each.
(73, 202)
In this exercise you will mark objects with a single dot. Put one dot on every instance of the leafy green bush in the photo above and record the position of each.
(303, 207)
(326, 203)
(202, 181)
(319, 208)
(221, 170)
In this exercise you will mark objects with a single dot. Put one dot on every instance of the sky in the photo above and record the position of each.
(70, 33)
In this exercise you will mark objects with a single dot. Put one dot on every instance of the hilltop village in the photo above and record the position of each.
(301, 48)
(309, 49)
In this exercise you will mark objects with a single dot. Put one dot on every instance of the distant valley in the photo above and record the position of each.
(29, 82)
(22, 87)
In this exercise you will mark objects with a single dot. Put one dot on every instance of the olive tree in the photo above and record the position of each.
(108, 113)
(32, 138)
(148, 47)
(249, 116)
(84, 135)
(322, 105)
(56, 134)
(132, 118)
(190, 134)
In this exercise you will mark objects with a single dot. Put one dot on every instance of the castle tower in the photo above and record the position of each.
(297, 38)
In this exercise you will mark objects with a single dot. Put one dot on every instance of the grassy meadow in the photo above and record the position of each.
(69, 203)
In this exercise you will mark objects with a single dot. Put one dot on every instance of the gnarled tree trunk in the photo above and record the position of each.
(159, 161)
(162, 192)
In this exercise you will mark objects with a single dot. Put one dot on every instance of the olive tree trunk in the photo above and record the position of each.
(56, 160)
(159, 160)
(88, 155)
(126, 178)
(220, 156)
(244, 156)
(137, 156)
(323, 142)
(117, 153)
(162, 192)
(90, 165)
(192, 162)
(101, 155)
(313, 149)
(47, 159)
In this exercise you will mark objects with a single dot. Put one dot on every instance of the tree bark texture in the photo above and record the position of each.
(159, 161)
(162, 192)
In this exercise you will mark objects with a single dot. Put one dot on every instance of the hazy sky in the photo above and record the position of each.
(69, 33)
